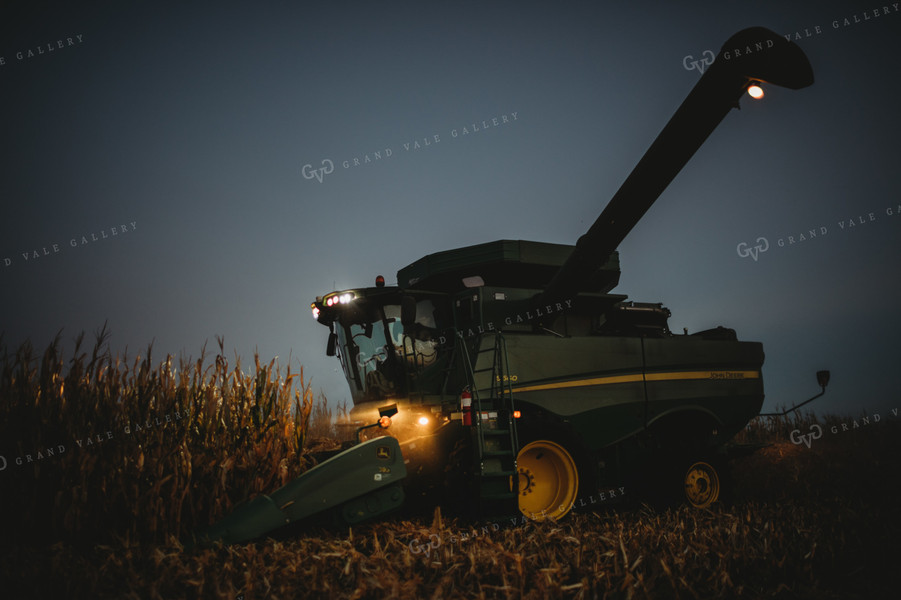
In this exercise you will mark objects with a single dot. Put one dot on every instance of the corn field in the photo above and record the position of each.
(99, 448)
(326, 424)
(104, 520)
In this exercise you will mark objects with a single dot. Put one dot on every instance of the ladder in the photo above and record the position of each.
(494, 436)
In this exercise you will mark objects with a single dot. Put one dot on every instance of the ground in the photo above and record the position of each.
(807, 522)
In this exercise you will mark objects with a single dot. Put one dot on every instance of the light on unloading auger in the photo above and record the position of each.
(755, 91)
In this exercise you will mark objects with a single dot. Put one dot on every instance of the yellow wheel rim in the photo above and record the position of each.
(702, 485)
(548, 480)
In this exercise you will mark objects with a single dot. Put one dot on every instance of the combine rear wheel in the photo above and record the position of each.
(548, 480)
(701, 484)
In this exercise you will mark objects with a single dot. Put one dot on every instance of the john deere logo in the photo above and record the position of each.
(383, 452)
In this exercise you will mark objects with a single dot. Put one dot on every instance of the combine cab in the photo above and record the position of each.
(517, 382)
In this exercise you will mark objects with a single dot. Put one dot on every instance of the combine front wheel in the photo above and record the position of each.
(548, 480)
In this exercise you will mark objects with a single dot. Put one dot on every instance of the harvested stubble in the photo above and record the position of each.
(751, 551)
(820, 522)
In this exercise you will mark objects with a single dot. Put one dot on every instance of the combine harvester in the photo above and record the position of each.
(506, 378)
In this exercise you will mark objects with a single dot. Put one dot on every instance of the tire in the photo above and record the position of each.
(685, 468)
(699, 481)
(554, 470)
(701, 484)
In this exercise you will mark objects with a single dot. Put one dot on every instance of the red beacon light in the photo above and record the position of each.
(379, 281)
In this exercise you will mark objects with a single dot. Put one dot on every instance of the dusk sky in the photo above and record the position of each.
(177, 137)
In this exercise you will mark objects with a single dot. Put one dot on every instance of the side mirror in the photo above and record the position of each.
(407, 311)
(385, 414)
(332, 344)
(388, 411)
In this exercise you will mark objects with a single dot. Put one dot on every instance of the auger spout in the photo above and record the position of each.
(765, 57)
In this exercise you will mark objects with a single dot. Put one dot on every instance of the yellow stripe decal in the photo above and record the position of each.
(721, 375)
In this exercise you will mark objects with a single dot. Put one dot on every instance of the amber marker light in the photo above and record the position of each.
(385, 422)
(755, 91)
(516, 414)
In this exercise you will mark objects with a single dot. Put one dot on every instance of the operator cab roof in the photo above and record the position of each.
(503, 263)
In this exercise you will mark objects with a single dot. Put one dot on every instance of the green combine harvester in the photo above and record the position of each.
(505, 378)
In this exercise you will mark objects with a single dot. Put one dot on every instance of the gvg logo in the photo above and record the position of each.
(327, 168)
(745, 251)
(380, 355)
(702, 63)
(417, 547)
(816, 432)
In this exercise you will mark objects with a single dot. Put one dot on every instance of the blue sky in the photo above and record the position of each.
(194, 124)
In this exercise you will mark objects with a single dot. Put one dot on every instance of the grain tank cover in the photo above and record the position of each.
(503, 263)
